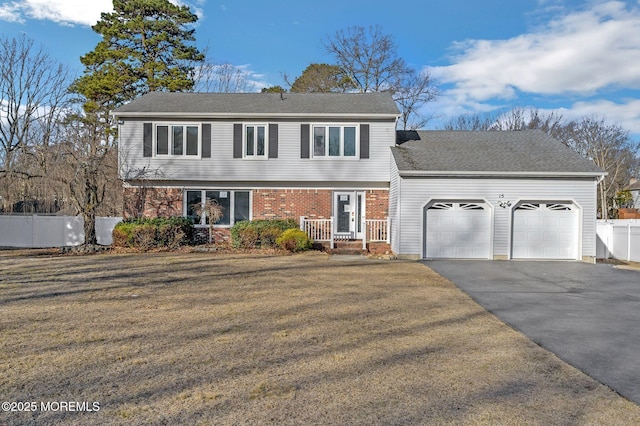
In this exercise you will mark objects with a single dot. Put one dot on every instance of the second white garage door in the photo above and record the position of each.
(545, 230)
(458, 230)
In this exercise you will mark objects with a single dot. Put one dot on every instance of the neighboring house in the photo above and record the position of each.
(634, 189)
(632, 210)
(335, 162)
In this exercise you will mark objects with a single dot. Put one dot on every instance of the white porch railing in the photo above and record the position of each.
(318, 229)
(374, 230)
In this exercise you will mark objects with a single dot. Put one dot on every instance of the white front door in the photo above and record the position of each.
(348, 213)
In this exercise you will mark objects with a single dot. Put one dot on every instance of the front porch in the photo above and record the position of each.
(374, 236)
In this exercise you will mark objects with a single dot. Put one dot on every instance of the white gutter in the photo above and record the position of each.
(241, 115)
(426, 173)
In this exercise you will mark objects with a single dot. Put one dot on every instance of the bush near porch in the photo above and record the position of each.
(261, 233)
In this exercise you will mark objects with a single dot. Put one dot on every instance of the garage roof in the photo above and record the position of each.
(489, 153)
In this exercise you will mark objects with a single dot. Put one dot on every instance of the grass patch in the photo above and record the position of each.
(199, 338)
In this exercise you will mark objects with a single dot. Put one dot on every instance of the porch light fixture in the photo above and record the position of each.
(504, 204)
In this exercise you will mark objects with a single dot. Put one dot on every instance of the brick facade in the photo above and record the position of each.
(267, 203)
(152, 202)
(291, 203)
(311, 203)
(377, 204)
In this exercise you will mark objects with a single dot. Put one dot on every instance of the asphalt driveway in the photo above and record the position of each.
(588, 315)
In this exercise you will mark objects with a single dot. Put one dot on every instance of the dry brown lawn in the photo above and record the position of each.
(229, 339)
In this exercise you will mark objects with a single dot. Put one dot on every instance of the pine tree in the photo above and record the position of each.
(147, 45)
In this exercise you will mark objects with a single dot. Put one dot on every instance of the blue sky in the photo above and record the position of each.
(580, 58)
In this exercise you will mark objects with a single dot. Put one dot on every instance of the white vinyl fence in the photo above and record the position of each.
(51, 231)
(618, 239)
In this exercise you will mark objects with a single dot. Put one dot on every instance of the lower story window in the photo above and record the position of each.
(235, 205)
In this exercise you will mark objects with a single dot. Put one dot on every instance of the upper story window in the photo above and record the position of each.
(255, 141)
(334, 141)
(178, 140)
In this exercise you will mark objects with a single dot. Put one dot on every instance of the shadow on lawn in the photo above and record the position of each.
(171, 339)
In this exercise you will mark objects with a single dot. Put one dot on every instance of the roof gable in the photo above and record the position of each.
(531, 152)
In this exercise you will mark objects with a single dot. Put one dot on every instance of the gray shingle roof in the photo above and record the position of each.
(500, 152)
(260, 103)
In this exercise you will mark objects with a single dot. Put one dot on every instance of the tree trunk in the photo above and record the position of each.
(89, 210)
(90, 237)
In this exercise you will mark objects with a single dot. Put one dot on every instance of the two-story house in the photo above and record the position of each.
(335, 163)
(260, 155)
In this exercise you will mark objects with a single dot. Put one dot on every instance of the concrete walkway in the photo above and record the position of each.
(588, 315)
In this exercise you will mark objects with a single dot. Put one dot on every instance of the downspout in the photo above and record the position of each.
(598, 181)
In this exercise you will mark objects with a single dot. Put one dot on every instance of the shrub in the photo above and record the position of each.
(144, 236)
(171, 236)
(269, 235)
(123, 234)
(294, 240)
(259, 233)
(146, 233)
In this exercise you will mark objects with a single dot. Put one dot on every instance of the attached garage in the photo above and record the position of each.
(458, 230)
(545, 230)
(491, 195)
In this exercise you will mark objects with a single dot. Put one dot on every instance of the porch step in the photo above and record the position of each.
(348, 247)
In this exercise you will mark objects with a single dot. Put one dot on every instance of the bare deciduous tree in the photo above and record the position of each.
(212, 210)
(221, 78)
(90, 161)
(471, 122)
(413, 92)
(33, 97)
(369, 58)
(611, 149)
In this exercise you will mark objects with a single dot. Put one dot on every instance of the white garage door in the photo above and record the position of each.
(458, 230)
(545, 231)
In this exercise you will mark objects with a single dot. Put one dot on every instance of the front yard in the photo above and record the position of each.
(200, 338)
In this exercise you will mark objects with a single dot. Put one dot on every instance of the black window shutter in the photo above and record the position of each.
(304, 141)
(147, 140)
(237, 140)
(273, 141)
(364, 141)
(206, 140)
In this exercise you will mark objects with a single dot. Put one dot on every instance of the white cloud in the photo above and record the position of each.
(578, 53)
(10, 13)
(627, 113)
(65, 12)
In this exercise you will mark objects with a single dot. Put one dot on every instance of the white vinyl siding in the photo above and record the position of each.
(416, 192)
(288, 167)
(394, 207)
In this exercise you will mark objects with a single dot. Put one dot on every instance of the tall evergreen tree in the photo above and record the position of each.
(147, 45)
